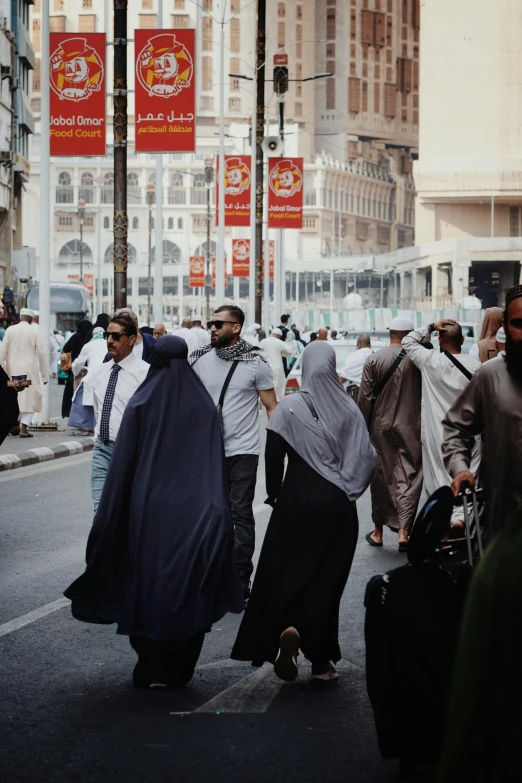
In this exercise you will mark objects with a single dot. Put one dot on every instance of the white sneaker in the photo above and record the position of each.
(328, 676)
(285, 666)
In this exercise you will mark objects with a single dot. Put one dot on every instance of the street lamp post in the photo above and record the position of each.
(81, 219)
(209, 179)
(150, 201)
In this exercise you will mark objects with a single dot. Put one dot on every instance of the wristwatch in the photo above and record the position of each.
(431, 327)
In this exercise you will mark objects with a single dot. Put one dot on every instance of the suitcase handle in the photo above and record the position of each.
(467, 492)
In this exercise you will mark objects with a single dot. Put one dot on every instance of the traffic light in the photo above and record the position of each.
(280, 79)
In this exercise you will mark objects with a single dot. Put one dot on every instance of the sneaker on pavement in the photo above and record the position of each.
(327, 673)
(285, 666)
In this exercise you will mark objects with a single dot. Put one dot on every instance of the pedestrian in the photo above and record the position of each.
(56, 344)
(275, 351)
(445, 373)
(322, 335)
(3, 327)
(144, 344)
(333, 337)
(485, 348)
(284, 326)
(113, 385)
(21, 354)
(102, 321)
(351, 373)
(201, 335)
(251, 334)
(310, 542)
(390, 401)
(306, 334)
(186, 333)
(295, 346)
(84, 368)
(500, 341)
(9, 410)
(235, 375)
(491, 405)
(73, 346)
(313, 337)
(159, 331)
(160, 554)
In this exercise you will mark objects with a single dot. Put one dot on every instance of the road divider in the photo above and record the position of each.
(44, 453)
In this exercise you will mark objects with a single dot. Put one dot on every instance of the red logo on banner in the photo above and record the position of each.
(197, 272)
(241, 257)
(285, 193)
(272, 257)
(77, 79)
(165, 91)
(237, 190)
(214, 273)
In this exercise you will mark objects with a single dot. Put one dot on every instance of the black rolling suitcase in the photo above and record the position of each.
(412, 624)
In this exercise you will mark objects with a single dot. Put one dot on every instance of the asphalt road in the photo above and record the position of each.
(68, 711)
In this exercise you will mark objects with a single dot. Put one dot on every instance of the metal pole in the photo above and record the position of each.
(180, 293)
(260, 129)
(279, 260)
(492, 215)
(81, 250)
(220, 255)
(208, 280)
(158, 252)
(44, 303)
(331, 297)
(120, 123)
(252, 257)
(382, 288)
(149, 280)
(99, 289)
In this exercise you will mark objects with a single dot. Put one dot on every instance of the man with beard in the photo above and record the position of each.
(491, 405)
(235, 373)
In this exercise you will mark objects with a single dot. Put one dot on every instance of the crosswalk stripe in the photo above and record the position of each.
(253, 693)
(31, 617)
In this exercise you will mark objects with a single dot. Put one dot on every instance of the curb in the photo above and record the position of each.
(44, 453)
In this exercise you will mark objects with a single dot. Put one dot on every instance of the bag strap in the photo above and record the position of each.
(227, 383)
(458, 365)
(307, 398)
(380, 386)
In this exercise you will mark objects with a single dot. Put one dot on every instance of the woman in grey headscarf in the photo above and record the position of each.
(310, 542)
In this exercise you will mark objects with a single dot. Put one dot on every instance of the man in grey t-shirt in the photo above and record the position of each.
(250, 380)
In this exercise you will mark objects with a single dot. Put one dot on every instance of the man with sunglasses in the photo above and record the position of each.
(114, 384)
(230, 358)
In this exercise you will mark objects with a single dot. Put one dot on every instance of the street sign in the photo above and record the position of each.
(280, 59)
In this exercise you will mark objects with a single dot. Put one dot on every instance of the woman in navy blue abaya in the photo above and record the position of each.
(160, 553)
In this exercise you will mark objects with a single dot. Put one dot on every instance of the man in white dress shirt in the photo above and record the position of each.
(351, 373)
(114, 384)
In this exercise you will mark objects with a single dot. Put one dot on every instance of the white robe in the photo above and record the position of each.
(21, 353)
(442, 383)
(92, 354)
(56, 343)
(201, 335)
(274, 350)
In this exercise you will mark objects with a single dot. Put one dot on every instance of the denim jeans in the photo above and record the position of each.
(101, 458)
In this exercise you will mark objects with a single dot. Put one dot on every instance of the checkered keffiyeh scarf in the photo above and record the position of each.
(241, 351)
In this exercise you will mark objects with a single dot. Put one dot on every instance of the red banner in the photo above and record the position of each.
(272, 258)
(237, 190)
(214, 273)
(197, 272)
(241, 257)
(285, 192)
(165, 91)
(77, 80)
(88, 281)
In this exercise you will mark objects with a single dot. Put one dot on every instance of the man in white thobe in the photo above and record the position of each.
(443, 379)
(201, 335)
(275, 349)
(351, 373)
(21, 353)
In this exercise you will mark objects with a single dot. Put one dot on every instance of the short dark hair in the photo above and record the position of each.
(284, 318)
(233, 310)
(128, 323)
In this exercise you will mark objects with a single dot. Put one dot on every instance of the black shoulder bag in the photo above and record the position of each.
(307, 398)
(380, 386)
(219, 406)
(458, 365)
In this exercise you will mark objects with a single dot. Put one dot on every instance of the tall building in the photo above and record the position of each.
(358, 195)
(469, 173)
(16, 125)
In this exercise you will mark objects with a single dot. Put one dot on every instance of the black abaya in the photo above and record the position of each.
(304, 564)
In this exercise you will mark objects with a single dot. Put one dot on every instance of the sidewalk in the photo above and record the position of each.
(18, 452)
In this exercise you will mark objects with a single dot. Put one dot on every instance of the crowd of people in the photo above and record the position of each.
(175, 462)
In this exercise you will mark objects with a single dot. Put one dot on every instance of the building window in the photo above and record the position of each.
(206, 85)
(106, 222)
(107, 190)
(147, 5)
(310, 223)
(177, 189)
(234, 104)
(58, 5)
(354, 95)
(298, 109)
(148, 21)
(36, 35)
(234, 6)
(281, 30)
(514, 221)
(135, 223)
(65, 221)
(179, 5)
(281, 9)
(87, 187)
(330, 24)
(57, 24)
(234, 85)
(330, 93)
(180, 222)
(87, 23)
(353, 25)
(330, 50)
(133, 188)
(299, 12)
(64, 190)
(87, 4)
(207, 33)
(207, 5)
(170, 223)
(376, 98)
(206, 103)
(180, 21)
(390, 100)
(234, 35)
(36, 76)
(197, 192)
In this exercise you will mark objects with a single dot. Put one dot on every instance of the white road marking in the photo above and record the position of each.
(31, 617)
(36, 470)
(253, 693)
(261, 507)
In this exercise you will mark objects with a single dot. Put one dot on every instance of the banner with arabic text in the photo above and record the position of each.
(237, 190)
(272, 258)
(197, 272)
(241, 257)
(165, 90)
(285, 192)
(77, 81)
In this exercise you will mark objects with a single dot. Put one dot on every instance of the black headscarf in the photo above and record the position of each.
(102, 320)
(160, 554)
(8, 406)
(81, 336)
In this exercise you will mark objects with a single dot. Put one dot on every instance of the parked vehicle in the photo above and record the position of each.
(342, 349)
(70, 303)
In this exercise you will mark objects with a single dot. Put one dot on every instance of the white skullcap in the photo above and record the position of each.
(27, 311)
(98, 330)
(277, 331)
(257, 326)
(35, 313)
(401, 324)
(501, 335)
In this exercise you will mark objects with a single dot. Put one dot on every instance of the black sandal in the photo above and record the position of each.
(371, 541)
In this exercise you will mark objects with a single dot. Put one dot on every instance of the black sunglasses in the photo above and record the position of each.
(219, 324)
(116, 336)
